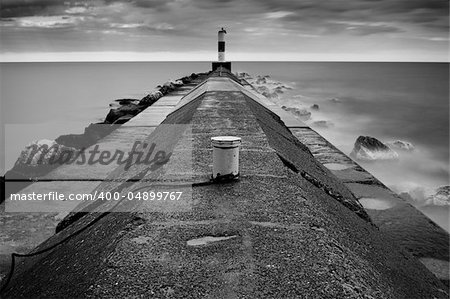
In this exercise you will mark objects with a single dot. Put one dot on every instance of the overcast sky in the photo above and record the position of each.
(375, 30)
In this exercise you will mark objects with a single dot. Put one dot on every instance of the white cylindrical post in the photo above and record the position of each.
(221, 44)
(225, 157)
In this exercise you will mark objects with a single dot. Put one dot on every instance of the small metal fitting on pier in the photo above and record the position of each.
(225, 158)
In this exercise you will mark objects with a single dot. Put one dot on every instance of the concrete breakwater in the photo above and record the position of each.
(292, 226)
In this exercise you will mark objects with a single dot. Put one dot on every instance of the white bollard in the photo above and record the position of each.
(225, 157)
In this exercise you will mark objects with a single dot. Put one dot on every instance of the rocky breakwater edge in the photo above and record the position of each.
(21, 232)
(367, 150)
(276, 92)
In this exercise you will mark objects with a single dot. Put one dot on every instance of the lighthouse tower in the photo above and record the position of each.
(221, 44)
(221, 52)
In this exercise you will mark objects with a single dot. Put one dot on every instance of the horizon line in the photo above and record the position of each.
(209, 61)
(199, 56)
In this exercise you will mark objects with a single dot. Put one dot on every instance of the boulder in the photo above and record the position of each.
(166, 87)
(38, 158)
(368, 148)
(270, 95)
(120, 102)
(265, 91)
(261, 80)
(279, 89)
(401, 145)
(315, 107)
(97, 131)
(262, 89)
(243, 75)
(440, 198)
(186, 79)
(123, 119)
(299, 112)
(115, 114)
(127, 101)
(177, 83)
(322, 124)
(267, 87)
(151, 98)
(91, 135)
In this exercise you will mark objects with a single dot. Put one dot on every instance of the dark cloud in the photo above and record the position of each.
(23, 8)
(213, 4)
(7, 4)
(425, 13)
(252, 22)
(160, 5)
(432, 14)
(440, 7)
(421, 12)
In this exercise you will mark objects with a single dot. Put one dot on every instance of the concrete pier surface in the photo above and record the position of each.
(292, 226)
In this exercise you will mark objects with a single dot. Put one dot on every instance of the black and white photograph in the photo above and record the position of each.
(224, 149)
